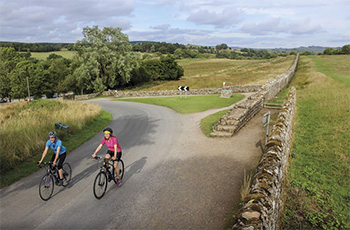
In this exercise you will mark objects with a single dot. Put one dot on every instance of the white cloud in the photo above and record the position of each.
(225, 18)
(275, 26)
(204, 22)
(304, 27)
(57, 19)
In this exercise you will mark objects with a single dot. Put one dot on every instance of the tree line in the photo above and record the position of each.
(331, 51)
(104, 60)
(37, 47)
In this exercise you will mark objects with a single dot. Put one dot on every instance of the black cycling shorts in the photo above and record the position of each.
(111, 153)
(60, 159)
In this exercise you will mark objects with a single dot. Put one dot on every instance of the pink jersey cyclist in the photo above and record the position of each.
(110, 143)
(114, 150)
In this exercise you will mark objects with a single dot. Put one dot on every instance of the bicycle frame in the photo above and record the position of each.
(104, 167)
(52, 170)
(51, 177)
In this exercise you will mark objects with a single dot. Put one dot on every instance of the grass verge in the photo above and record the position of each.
(318, 191)
(208, 122)
(70, 142)
(192, 104)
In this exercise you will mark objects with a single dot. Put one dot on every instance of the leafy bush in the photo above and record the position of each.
(164, 69)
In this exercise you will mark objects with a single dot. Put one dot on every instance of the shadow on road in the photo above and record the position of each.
(134, 168)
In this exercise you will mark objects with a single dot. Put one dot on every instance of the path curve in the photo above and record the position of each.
(175, 177)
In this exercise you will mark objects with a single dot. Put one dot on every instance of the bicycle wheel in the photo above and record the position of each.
(121, 171)
(100, 185)
(46, 187)
(67, 174)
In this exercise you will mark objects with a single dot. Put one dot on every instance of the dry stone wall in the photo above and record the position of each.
(82, 97)
(162, 93)
(241, 113)
(265, 202)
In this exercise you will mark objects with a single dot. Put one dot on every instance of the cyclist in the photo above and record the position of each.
(114, 150)
(59, 153)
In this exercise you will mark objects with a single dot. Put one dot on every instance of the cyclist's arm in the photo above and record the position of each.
(44, 154)
(57, 154)
(115, 152)
(97, 150)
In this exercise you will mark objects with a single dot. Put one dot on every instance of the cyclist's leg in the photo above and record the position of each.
(52, 159)
(119, 155)
(108, 157)
(61, 159)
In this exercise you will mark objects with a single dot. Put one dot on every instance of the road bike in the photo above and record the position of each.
(48, 181)
(106, 174)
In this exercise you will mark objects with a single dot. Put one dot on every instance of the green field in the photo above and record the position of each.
(192, 104)
(319, 185)
(44, 55)
(211, 73)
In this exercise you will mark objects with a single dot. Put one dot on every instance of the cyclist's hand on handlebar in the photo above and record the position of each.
(38, 163)
(114, 158)
(93, 155)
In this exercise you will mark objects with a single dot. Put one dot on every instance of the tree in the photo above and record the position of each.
(223, 46)
(8, 61)
(34, 73)
(106, 59)
(166, 68)
(172, 70)
(56, 73)
(346, 49)
(329, 51)
(306, 53)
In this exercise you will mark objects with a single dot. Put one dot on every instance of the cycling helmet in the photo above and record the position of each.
(52, 134)
(109, 130)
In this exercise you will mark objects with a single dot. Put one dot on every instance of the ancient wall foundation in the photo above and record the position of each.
(265, 202)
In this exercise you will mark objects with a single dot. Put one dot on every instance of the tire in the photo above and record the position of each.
(121, 171)
(100, 185)
(46, 187)
(67, 174)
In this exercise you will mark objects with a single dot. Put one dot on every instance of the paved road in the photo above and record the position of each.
(176, 178)
(145, 133)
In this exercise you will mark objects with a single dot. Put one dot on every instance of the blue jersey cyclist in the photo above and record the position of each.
(59, 153)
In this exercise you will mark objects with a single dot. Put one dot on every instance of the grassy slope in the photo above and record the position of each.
(211, 73)
(70, 142)
(319, 190)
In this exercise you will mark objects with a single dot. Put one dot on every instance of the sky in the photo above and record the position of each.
(237, 23)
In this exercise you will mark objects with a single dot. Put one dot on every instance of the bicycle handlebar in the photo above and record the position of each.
(98, 158)
(44, 163)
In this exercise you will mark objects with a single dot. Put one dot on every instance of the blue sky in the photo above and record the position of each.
(242, 23)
